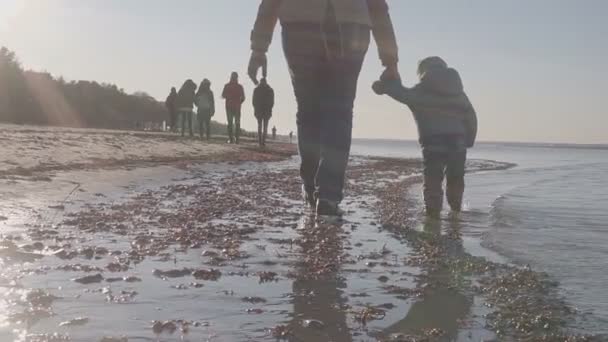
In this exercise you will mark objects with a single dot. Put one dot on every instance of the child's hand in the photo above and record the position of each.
(379, 88)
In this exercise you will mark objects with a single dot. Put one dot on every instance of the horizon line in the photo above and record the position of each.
(505, 142)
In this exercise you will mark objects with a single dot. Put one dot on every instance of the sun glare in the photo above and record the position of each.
(9, 10)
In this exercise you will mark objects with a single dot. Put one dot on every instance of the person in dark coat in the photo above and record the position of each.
(185, 103)
(447, 126)
(234, 94)
(205, 104)
(274, 133)
(263, 102)
(171, 104)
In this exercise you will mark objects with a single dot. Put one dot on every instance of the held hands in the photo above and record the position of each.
(258, 60)
(391, 73)
(378, 88)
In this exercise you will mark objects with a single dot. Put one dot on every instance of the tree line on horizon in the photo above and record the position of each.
(39, 98)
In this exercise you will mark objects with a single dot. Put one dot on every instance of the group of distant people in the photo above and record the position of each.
(180, 105)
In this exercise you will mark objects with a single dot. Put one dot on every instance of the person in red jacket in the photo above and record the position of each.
(234, 94)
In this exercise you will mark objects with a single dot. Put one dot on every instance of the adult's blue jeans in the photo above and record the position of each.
(325, 67)
(233, 117)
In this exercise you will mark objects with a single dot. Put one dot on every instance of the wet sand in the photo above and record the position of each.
(226, 251)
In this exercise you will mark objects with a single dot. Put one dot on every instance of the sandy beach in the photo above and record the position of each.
(130, 236)
(29, 150)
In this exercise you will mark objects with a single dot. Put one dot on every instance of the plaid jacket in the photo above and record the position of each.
(371, 13)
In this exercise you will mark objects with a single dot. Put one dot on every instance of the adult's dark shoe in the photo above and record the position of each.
(328, 208)
(309, 197)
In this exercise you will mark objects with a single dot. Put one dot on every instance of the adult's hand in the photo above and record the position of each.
(258, 60)
(391, 72)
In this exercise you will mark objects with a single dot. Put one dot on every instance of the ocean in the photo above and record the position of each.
(549, 212)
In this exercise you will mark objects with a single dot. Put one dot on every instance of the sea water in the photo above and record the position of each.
(549, 212)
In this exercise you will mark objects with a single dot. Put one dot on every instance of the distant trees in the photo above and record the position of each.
(28, 97)
(16, 103)
(38, 98)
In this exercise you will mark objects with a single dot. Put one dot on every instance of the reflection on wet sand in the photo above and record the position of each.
(214, 217)
(319, 301)
(443, 306)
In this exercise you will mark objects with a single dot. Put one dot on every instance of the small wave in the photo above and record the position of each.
(501, 216)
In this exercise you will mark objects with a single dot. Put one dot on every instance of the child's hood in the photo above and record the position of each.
(443, 81)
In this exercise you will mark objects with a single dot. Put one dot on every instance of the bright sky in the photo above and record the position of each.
(535, 70)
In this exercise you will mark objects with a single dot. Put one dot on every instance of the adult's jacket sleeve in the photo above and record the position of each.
(263, 29)
(383, 31)
(212, 103)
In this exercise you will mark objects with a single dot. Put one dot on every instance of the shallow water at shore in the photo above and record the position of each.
(548, 212)
(43, 254)
(226, 251)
